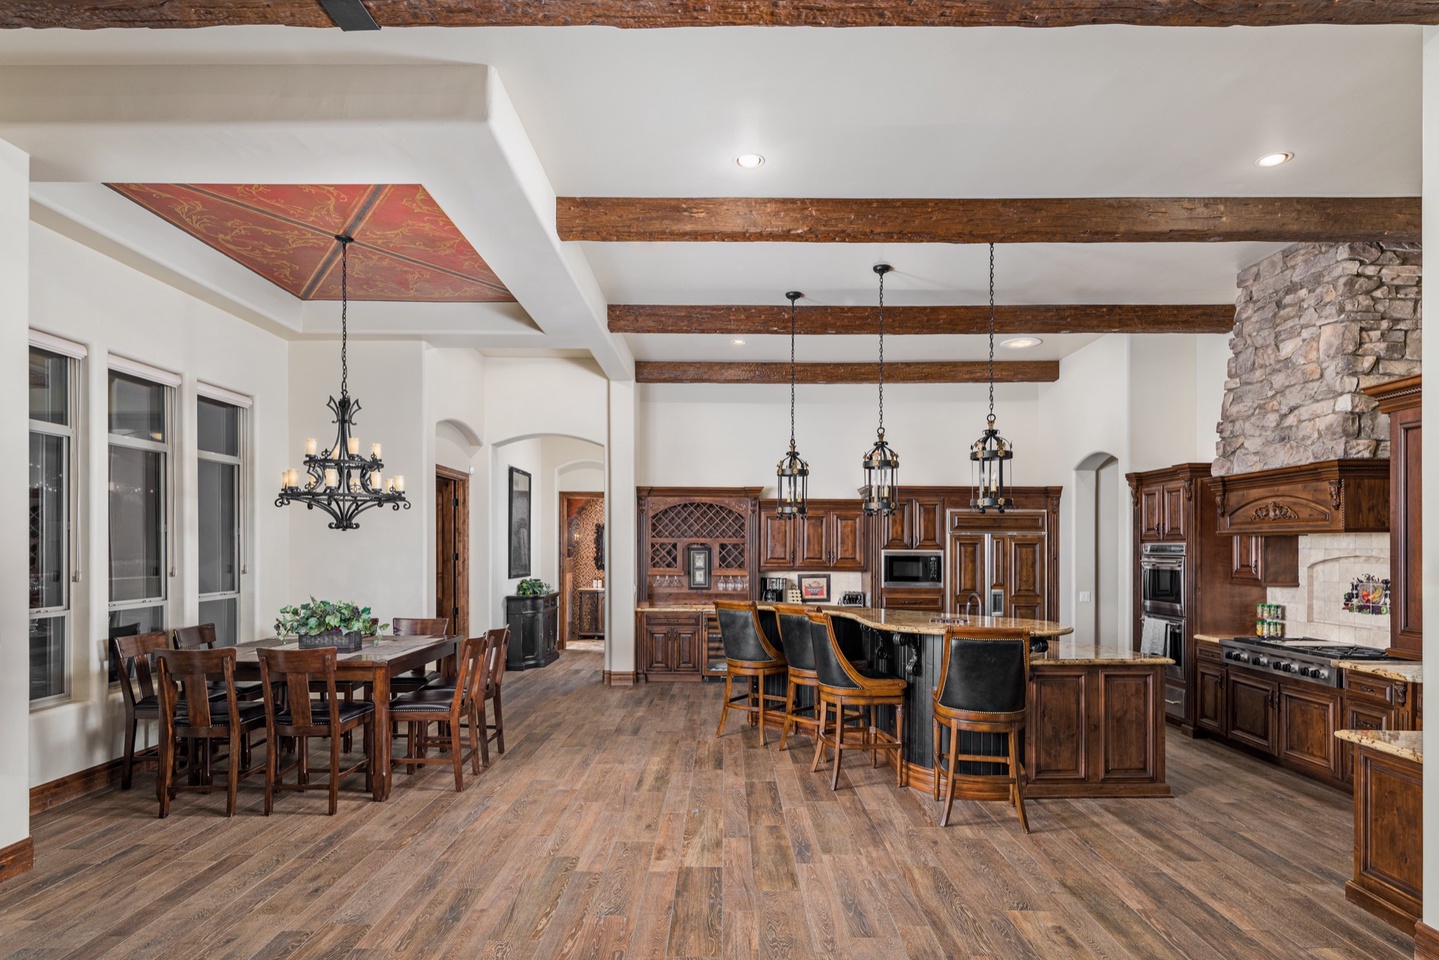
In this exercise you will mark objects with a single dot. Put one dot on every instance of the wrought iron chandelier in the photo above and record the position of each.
(989, 453)
(881, 464)
(792, 471)
(340, 481)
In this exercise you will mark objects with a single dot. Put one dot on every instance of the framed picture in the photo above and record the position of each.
(814, 587)
(519, 523)
(697, 562)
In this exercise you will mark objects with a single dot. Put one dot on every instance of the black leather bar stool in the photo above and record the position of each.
(983, 688)
(797, 638)
(853, 692)
(749, 653)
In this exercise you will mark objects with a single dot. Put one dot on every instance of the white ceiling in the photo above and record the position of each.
(1092, 111)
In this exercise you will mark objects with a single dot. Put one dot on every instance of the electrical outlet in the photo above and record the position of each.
(1084, 596)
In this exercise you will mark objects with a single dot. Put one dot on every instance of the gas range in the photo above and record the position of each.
(1299, 657)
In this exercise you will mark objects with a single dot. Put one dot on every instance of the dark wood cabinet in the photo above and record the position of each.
(1209, 714)
(833, 535)
(1308, 716)
(931, 601)
(1401, 400)
(1251, 711)
(1150, 514)
(672, 645)
(1372, 702)
(534, 631)
(1388, 837)
(1333, 496)
(917, 524)
(1099, 726)
(1175, 500)
(1271, 561)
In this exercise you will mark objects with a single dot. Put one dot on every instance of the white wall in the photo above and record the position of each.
(1211, 369)
(1430, 468)
(15, 282)
(85, 296)
(388, 563)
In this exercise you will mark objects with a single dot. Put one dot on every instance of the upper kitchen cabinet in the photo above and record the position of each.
(833, 535)
(1334, 496)
(1401, 399)
(916, 524)
(1164, 508)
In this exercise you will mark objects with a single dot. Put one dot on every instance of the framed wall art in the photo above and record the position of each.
(814, 587)
(697, 563)
(519, 523)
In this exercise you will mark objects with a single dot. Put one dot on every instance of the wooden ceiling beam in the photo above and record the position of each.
(1012, 371)
(93, 14)
(751, 320)
(1032, 220)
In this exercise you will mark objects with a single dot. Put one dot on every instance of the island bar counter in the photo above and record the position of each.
(1096, 712)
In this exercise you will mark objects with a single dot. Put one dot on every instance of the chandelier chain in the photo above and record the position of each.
(791, 371)
(881, 352)
(990, 418)
(344, 310)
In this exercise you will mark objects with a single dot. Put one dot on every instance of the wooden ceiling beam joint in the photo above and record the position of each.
(1013, 371)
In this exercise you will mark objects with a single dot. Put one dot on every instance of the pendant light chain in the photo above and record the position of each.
(344, 311)
(990, 418)
(792, 299)
(881, 350)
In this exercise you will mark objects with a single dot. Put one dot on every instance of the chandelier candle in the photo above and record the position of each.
(341, 482)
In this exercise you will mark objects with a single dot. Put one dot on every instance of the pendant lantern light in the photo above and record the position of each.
(793, 472)
(990, 452)
(339, 479)
(881, 464)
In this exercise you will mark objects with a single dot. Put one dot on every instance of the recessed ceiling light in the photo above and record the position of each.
(737, 342)
(749, 160)
(1273, 159)
(1019, 343)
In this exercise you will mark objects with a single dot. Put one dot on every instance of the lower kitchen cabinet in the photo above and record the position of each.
(1308, 716)
(1209, 712)
(672, 645)
(1099, 726)
(1375, 703)
(1388, 836)
(930, 601)
(1251, 715)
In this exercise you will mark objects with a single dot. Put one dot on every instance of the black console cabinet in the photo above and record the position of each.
(534, 631)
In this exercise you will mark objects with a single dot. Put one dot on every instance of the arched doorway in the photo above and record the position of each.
(1096, 548)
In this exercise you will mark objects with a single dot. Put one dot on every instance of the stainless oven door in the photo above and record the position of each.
(1162, 586)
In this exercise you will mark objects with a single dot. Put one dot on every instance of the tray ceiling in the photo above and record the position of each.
(405, 249)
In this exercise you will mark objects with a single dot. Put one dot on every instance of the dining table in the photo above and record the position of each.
(373, 664)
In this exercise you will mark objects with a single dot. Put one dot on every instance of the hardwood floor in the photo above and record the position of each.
(616, 825)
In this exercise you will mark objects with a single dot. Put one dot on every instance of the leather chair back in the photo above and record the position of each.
(827, 654)
(795, 635)
(743, 637)
(985, 671)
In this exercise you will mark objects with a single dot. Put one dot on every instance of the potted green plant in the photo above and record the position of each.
(328, 623)
(532, 587)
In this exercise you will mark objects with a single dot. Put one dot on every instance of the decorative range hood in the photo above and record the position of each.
(1332, 496)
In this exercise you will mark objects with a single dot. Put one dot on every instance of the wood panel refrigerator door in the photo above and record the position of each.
(1025, 580)
(966, 569)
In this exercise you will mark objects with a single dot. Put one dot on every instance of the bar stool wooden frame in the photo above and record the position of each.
(1009, 723)
(757, 671)
(798, 649)
(855, 702)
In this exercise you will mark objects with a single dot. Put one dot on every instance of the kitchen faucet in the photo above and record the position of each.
(973, 598)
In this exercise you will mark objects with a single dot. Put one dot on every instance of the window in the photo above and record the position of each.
(140, 442)
(218, 436)
(52, 385)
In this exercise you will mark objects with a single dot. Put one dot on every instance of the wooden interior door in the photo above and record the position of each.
(452, 548)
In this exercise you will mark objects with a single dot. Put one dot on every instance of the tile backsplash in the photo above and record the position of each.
(1328, 566)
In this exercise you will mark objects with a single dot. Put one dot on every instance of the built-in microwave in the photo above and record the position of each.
(912, 568)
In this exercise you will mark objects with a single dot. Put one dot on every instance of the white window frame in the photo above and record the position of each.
(74, 353)
(242, 406)
(170, 382)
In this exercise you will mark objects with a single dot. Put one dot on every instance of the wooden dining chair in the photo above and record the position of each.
(448, 708)
(497, 649)
(188, 712)
(300, 718)
(417, 627)
(202, 637)
(853, 693)
(132, 658)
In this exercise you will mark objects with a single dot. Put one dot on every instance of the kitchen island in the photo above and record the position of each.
(1096, 711)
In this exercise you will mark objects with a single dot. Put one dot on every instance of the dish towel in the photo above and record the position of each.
(1152, 637)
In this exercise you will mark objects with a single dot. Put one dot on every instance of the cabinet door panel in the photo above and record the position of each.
(1174, 525)
(1150, 513)
(895, 528)
(1245, 567)
(1130, 702)
(1360, 715)
(1209, 702)
(1251, 711)
(1026, 578)
(848, 541)
(967, 570)
(927, 524)
(1308, 718)
(776, 541)
(689, 647)
(1406, 534)
(812, 540)
(1058, 750)
(931, 601)
(999, 571)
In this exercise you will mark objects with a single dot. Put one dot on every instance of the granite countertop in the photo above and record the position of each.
(1213, 638)
(1404, 744)
(1407, 670)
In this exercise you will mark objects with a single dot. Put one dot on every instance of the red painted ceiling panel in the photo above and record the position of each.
(405, 247)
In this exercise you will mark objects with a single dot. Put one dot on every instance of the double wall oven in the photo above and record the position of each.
(1162, 610)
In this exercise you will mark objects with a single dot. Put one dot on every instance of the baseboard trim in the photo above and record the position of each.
(17, 858)
(73, 786)
(622, 678)
(1426, 942)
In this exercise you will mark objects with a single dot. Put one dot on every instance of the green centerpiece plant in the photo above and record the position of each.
(328, 623)
(532, 587)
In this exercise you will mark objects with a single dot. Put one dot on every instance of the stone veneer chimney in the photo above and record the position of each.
(1313, 324)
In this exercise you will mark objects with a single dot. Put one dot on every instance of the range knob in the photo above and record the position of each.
(1320, 673)
(1306, 671)
(1259, 661)
(1288, 667)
